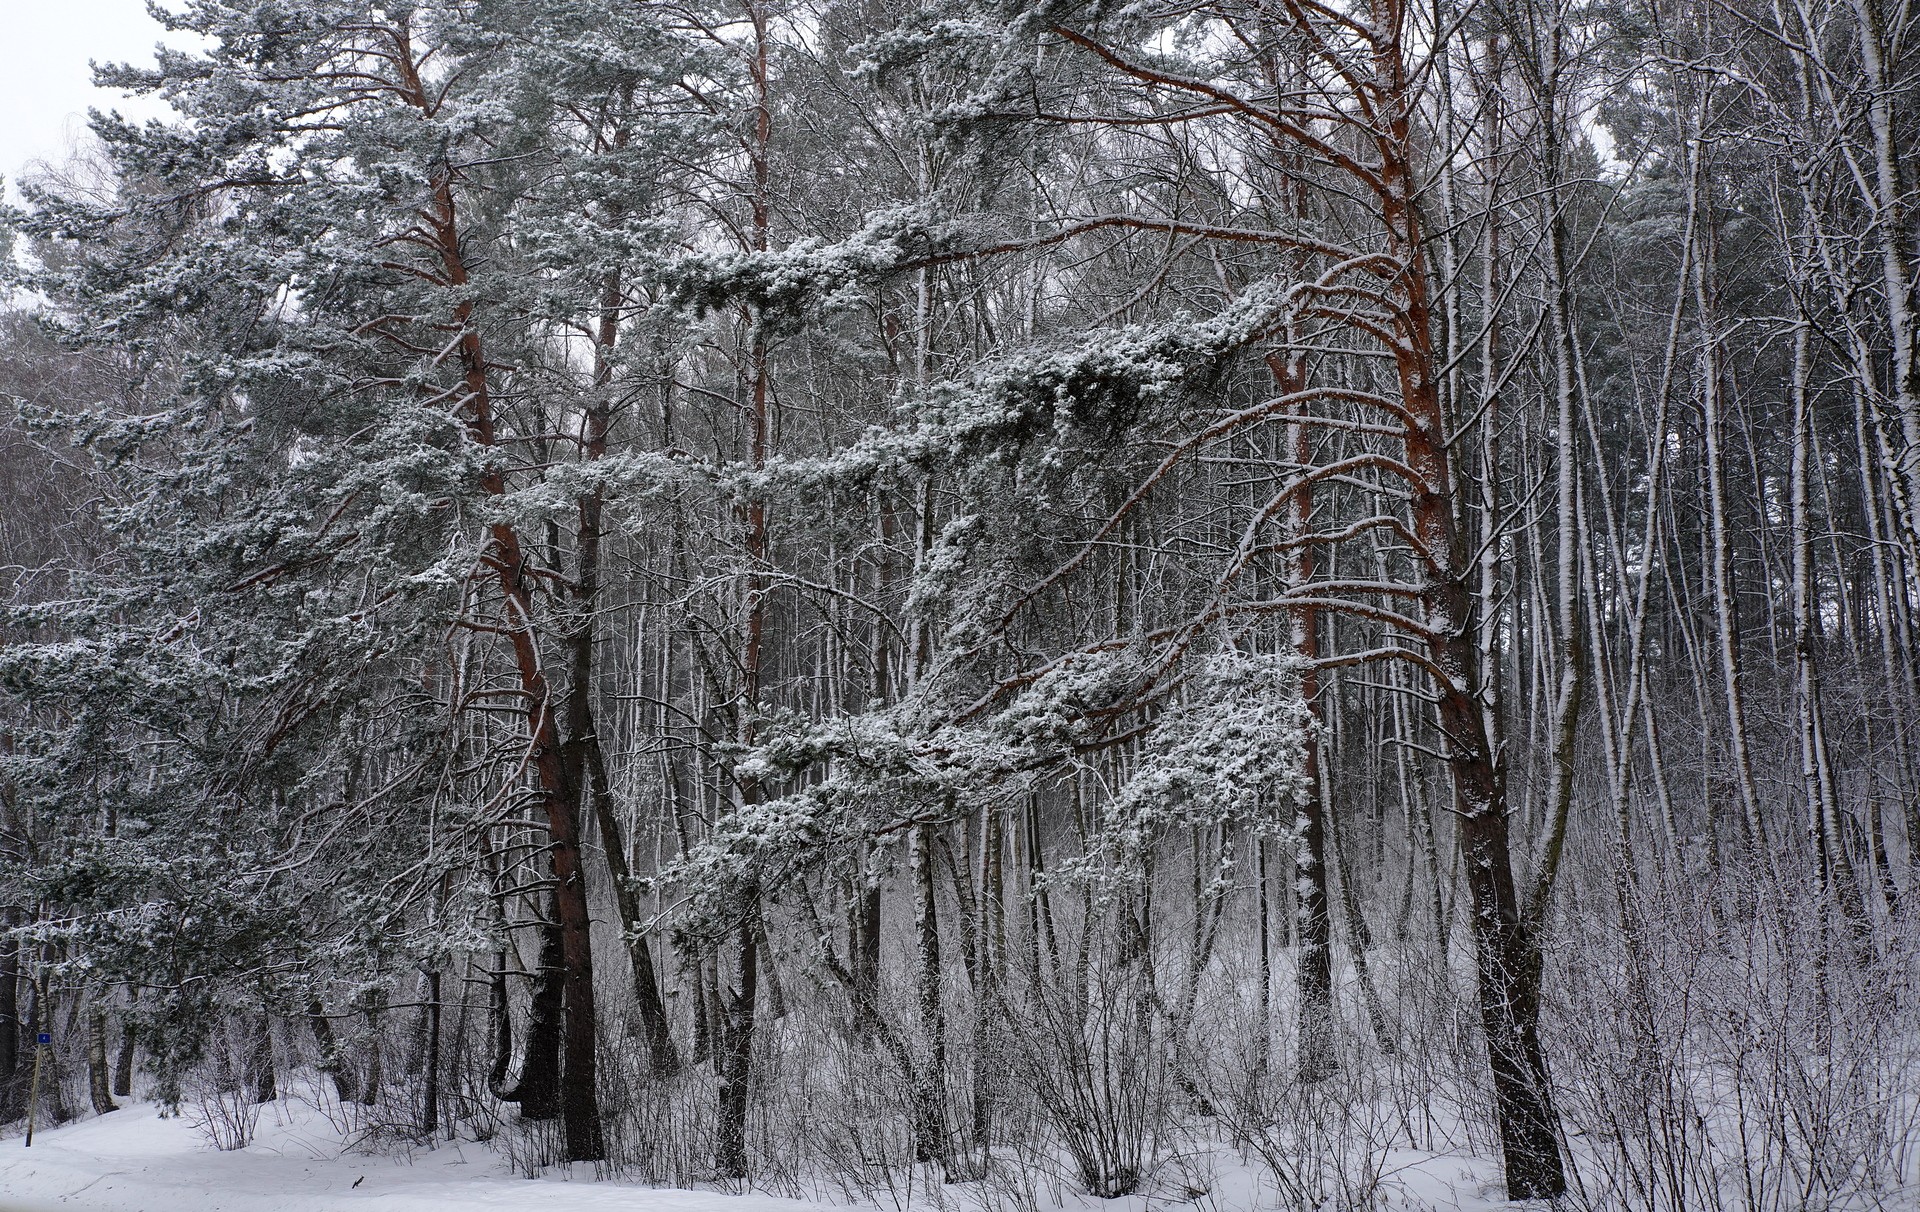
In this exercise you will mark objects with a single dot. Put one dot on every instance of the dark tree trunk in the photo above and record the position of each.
(1509, 968)
(538, 1088)
(430, 1067)
(499, 1029)
(266, 1086)
(1313, 975)
(370, 1092)
(586, 760)
(930, 1137)
(99, 1079)
(1506, 955)
(1507, 958)
(10, 1024)
(123, 1063)
(579, 1099)
(331, 1064)
(506, 558)
(736, 1049)
(866, 949)
(662, 1057)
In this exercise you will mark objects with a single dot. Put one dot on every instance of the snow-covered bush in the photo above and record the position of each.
(223, 1095)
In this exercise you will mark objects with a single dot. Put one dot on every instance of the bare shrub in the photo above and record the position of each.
(219, 1096)
(843, 1111)
(1745, 1049)
(1096, 1062)
(1322, 1143)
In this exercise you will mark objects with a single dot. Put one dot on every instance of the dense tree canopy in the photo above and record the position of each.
(1355, 563)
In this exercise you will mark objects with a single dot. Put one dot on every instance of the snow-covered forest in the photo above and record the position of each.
(970, 603)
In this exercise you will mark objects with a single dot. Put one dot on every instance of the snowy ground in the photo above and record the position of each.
(135, 1161)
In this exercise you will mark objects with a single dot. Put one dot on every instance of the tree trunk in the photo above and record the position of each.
(1816, 769)
(11, 1028)
(430, 1063)
(663, 1058)
(930, 1136)
(123, 1063)
(99, 1079)
(739, 1006)
(499, 1029)
(586, 758)
(1506, 958)
(376, 1001)
(1313, 971)
(1725, 605)
(538, 1088)
(506, 558)
(736, 1048)
(331, 1063)
(266, 1086)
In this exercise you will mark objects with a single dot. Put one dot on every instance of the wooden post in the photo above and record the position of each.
(33, 1093)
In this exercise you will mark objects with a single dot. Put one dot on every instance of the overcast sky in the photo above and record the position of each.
(45, 84)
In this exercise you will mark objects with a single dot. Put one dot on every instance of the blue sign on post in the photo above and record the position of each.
(44, 1037)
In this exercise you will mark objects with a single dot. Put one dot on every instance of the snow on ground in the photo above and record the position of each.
(134, 1161)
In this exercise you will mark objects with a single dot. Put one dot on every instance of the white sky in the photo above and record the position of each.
(45, 83)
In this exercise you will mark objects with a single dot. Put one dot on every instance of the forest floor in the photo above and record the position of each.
(133, 1160)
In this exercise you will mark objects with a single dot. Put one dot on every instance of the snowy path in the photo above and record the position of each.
(134, 1161)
